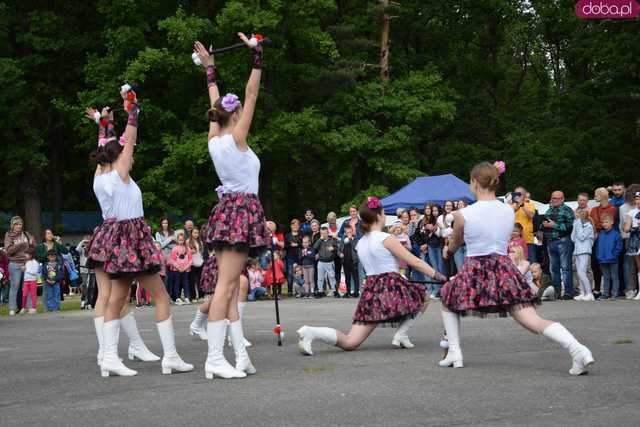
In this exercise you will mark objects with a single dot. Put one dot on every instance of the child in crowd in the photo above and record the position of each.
(583, 235)
(307, 260)
(541, 283)
(268, 275)
(256, 279)
(517, 240)
(326, 249)
(180, 264)
(30, 284)
(350, 262)
(400, 231)
(53, 275)
(517, 256)
(609, 246)
(298, 281)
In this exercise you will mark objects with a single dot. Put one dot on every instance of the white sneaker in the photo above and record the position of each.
(589, 297)
(12, 313)
(637, 297)
(179, 301)
(578, 298)
(629, 294)
(186, 301)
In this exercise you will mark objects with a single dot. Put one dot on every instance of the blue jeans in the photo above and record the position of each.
(437, 262)
(458, 258)
(532, 249)
(53, 297)
(15, 276)
(180, 282)
(256, 293)
(290, 262)
(610, 277)
(560, 265)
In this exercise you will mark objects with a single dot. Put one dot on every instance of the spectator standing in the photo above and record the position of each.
(608, 248)
(196, 247)
(4, 277)
(354, 222)
(435, 245)
(16, 243)
(557, 225)
(419, 240)
(461, 253)
(525, 211)
(604, 208)
(49, 242)
(414, 219)
(188, 228)
(583, 202)
(333, 234)
(53, 274)
(308, 262)
(292, 244)
(631, 225)
(326, 249)
(445, 228)
(30, 285)
(305, 228)
(350, 263)
(617, 198)
(166, 237)
(268, 275)
(583, 237)
(179, 265)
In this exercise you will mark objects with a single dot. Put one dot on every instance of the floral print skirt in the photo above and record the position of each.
(487, 285)
(237, 222)
(99, 246)
(388, 299)
(132, 250)
(209, 275)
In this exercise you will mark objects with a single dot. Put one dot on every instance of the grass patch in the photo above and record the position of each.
(623, 341)
(70, 303)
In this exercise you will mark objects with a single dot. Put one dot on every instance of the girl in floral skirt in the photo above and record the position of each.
(130, 252)
(490, 283)
(236, 225)
(101, 243)
(387, 298)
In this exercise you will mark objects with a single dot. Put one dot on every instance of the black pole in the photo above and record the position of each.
(278, 328)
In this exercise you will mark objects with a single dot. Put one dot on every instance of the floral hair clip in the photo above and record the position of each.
(501, 166)
(373, 202)
(230, 102)
(220, 190)
(103, 141)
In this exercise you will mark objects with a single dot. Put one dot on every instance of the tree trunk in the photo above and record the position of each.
(57, 166)
(32, 204)
(384, 44)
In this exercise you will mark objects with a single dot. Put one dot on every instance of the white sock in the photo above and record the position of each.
(241, 309)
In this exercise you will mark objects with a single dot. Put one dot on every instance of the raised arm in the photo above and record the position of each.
(207, 60)
(241, 129)
(125, 160)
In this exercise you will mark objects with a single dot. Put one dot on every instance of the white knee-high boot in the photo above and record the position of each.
(307, 334)
(401, 337)
(171, 360)
(137, 348)
(243, 363)
(98, 322)
(197, 327)
(111, 363)
(241, 306)
(581, 355)
(451, 323)
(216, 364)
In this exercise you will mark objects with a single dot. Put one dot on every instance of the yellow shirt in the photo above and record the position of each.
(525, 221)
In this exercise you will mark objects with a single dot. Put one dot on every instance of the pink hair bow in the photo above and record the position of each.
(501, 166)
(373, 202)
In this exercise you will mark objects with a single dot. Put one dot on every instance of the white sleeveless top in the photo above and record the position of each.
(238, 170)
(487, 227)
(127, 198)
(103, 189)
(375, 258)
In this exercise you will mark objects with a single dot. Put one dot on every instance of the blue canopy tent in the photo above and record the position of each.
(428, 189)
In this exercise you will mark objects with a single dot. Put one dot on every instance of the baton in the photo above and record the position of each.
(266, 41)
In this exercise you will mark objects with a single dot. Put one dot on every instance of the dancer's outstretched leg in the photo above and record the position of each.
(580, 354)
(348, 342)
(171, 360)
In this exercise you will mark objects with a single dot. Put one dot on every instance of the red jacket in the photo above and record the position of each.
(268, 273)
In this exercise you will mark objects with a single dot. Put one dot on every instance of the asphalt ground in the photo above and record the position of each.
(511, 377)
